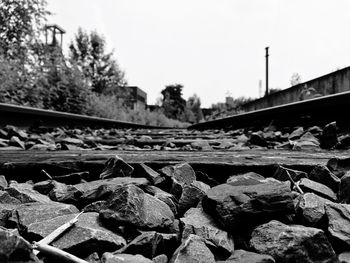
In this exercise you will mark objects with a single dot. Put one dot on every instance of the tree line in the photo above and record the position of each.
(36, 74)
(87, 81)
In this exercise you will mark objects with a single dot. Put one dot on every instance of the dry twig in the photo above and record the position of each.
(294, 183)
(57, 232)
(58, 253)
(46, 174)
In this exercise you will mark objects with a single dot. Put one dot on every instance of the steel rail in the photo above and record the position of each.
(317, 111)
(23, 116)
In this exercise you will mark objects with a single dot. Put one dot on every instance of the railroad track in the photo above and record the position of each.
(158, 176)
(218, 139)
(22, 116)
(317, 111)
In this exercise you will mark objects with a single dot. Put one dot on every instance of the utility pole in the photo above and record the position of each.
(267, 71)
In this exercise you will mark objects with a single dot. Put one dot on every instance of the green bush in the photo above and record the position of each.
(109, 106)
(105, 106)
(18, 85)
(62, 88)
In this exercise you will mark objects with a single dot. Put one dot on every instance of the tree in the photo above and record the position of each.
(31, 73)
(64, 87)
(101, 70)
(193, 109)
(20, 24)
(173, 103)
(295, 79)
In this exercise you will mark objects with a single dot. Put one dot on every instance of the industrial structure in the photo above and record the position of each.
(137, 99)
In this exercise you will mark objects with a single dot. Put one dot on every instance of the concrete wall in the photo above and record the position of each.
(335, 82)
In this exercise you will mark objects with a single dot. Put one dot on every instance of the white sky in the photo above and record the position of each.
(214, 47)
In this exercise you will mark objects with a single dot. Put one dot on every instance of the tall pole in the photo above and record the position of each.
(267, 71)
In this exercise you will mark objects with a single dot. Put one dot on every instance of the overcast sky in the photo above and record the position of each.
(214, 47)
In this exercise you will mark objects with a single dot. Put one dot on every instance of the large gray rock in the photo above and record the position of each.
(323, 175)
(14, 248)
(237, 206)
(116, 167)
(311, 208)
(295, 243)
(65, 193)
(26, 194)
(86, 236)
(195, 221)
(129, 205)
(243, 256)
(322, 190)
(124, 258)
(102, 189)
(182, 173)
(191, 195)
(163, 196)
(193, 249)
(339, 221)
(26, 214)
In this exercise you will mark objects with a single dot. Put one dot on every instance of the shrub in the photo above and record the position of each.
(109, 106)
(17, 85)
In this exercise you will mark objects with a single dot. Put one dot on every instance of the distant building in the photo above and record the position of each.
(138, 98)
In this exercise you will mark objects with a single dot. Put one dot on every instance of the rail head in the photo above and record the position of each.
(26, 116)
